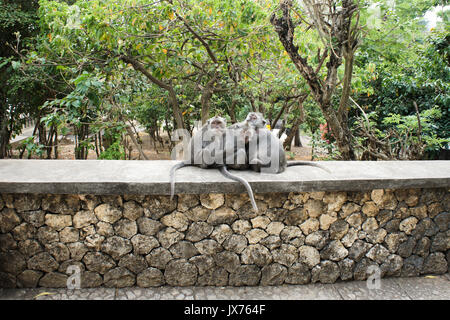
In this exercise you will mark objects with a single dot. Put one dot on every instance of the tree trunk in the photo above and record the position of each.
(137, 145)
(205, 102)
(288, 142)
(345, 43)
(178, 116)
(297, 141)
(5, 135)
(232, 111)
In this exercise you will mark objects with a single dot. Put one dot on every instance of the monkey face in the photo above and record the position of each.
(256, 120)
(217, 123)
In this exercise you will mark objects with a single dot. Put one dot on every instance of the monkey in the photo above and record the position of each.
(263, 140)
(209, 148)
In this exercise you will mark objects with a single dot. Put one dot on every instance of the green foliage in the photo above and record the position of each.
(115, 151)
(31, 147)
(68, 68)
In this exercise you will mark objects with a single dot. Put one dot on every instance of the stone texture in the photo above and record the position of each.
(245, 275)
(348, 209)
(326, 220)
(150, 277)
(133, 263)
(158, 258)
(98, 262)
(132, 210)
(183, 249)
(309, 226)
(218, 240)
(203, 263)
(260, 222)
(255, 235)
(116, 247)
(54, 280)
(197, 213)
(314, 208)
(235, 243)
(358, 250)
(119, 278)
(8, 220)
(215, 276)
(43, 262)
(338, 229)
(441, 242)
(69, 234)
(212, 200)
(176, 220)
(84, 218)
(14, 262)
(435, 263)
(407, 225)
(308, 255)
(334, 251)
(273, 274)
(198, 231)
(228, 260)
(29, 278)
(125, 228)
(370, 209)
(298, 273)
(148, 226)
(329, 272)
(180, 273)
(35, 218)
(107, 213)
(143, 244)
(286, 255)
(222, 215)
(169, 236)
(292, 235)
(256, 254)
(208, 246)
(27, 202)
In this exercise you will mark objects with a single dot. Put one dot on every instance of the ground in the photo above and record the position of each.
(429, 287)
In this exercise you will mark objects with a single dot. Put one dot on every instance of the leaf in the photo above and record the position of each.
(430, 277)
(15, 65)
(44, 294)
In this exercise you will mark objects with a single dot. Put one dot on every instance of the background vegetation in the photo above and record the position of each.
(365, 79)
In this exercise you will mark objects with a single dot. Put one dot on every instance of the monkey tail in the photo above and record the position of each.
(307, 163)
(227, 174)
(172, 177)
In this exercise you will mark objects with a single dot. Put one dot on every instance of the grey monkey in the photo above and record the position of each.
(207, 149)
(265, 150)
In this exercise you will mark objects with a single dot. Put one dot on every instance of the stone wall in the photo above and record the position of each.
(217, 240)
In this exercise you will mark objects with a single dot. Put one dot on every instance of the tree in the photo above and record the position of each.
(337, 27)
(18, 23)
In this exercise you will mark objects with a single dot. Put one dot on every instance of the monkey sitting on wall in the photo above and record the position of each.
(213, 147)
(265, 150)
